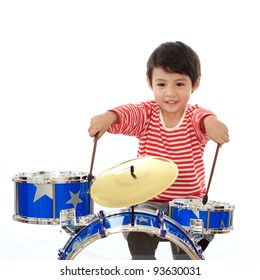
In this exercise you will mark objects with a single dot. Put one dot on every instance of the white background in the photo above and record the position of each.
(61, 62)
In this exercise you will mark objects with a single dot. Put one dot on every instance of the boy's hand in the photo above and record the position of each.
(216, 130)
(99, 124)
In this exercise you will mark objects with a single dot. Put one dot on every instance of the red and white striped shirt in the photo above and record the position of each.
(184, 144)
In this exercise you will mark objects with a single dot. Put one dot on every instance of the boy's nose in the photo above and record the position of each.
(171, 92)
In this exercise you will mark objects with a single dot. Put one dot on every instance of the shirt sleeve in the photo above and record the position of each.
(198, 115)
(133, 119)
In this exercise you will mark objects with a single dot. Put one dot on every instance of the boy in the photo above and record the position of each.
(168, 127)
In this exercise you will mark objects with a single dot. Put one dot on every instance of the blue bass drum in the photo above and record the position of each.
(40, 196)
(217, 217)
(122, 221)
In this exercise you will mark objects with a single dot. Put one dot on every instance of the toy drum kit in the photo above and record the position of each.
(67, 199)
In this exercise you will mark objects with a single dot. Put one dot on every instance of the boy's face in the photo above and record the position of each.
(172, 91)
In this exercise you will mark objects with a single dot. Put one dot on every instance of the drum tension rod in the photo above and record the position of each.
(102, 229)
(163, 230)
(61, 254)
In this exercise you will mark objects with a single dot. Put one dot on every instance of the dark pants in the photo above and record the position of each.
(142, 246)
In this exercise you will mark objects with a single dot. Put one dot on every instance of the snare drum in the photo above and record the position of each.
(121, 221)
(40, 196)
(217, 217)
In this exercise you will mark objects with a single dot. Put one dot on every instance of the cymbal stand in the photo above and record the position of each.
(133, 215)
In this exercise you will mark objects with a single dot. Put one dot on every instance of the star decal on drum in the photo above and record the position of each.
(196, 213)
(142, 219)
(41, 190)
(74, 199)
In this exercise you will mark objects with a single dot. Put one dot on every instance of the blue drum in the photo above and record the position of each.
(40, 196)
(217, 217)
(125, 220)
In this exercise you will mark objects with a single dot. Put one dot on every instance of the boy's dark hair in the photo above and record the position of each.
(175, 57)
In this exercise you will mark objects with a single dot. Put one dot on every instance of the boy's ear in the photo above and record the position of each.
(148, 82)
(196, 85)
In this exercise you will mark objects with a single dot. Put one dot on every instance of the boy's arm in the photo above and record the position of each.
(99, 124)
(215, 129)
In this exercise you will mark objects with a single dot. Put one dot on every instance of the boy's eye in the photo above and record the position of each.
(161, 84)
(180, 84)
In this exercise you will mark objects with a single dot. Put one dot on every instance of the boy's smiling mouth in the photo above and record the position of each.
(172, 102)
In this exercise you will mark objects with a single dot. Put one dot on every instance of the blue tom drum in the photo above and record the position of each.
(217, 217)
(40, 196)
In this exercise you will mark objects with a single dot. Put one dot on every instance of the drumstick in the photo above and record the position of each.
(90, 176)
(205, 198)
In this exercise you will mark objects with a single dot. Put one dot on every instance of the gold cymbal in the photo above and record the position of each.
(133, 181)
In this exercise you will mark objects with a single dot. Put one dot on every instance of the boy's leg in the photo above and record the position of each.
(204, 242)
(142, 246)
(179, 254)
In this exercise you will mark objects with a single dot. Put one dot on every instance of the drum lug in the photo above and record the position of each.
(102, 230)
(196, 229)
(70, 224)
(163, 231)
(68, 221)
